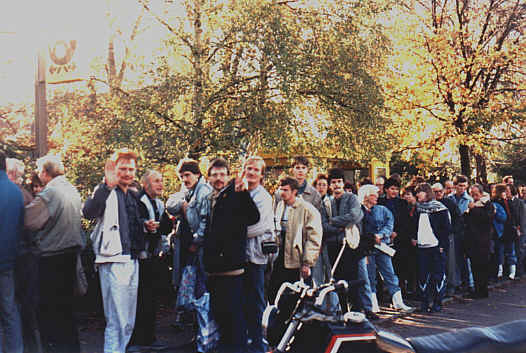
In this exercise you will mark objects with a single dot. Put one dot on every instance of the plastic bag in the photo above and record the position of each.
(186, 293)
(207, 329)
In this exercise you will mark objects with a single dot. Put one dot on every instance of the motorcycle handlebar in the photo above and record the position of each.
(338, 286)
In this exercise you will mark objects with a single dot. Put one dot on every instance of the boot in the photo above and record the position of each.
(398, 303)
(513, 269)
(374, 302)
(499, 274)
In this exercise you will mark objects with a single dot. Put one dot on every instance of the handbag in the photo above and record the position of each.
(81, 283)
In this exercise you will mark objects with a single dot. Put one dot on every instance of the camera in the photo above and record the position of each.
(269, 247)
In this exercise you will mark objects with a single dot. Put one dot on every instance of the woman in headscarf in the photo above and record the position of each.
(433, 224)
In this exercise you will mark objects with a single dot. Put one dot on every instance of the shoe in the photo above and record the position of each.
(398, 303)
(436, 308)
(499, 273)
(134, 348)
(424, 308)
(371, 316)
(513, 269)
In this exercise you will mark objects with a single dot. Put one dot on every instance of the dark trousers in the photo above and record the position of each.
(26, 276)
(144, 330)
(226, 301)
(431, 276)
(58, 326)
(280, 275)
(405, 265)
(480, 276)
(255, 305)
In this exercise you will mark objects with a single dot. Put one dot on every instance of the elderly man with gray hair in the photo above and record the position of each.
(54, 215)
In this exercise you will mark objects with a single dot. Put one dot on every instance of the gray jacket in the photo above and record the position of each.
(59, 228)
(349, 213)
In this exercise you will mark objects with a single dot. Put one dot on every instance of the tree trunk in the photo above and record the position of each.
(482, 173)
(465, 163)
(197, 101)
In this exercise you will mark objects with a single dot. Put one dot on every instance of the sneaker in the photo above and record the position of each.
(157, 346)
(134, 348)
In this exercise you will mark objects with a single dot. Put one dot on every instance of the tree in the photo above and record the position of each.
(461, 64)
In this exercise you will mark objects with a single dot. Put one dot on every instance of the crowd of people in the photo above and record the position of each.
(233, 244)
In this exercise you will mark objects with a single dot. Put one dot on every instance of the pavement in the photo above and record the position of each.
(506, 302)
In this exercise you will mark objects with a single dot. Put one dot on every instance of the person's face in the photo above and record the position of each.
(450, 187)
(372, 200)
(439, 193)
(392, 191)
(337, 186)
(421, 196)
(409, 197)
(218, 178)
(125, 169)
(510, 181)
(154, 188)
(44, 176)
(461, 187)
(287, 194)
(300, 171)
(522, 192)
(380, 185)
(253, 173)
(189, 179)
(36, 188)
(322, 186)
(509, 196)
(476, 194)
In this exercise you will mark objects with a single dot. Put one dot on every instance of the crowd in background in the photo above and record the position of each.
(232, 244)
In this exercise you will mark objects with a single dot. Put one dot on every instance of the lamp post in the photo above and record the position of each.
(41, 117)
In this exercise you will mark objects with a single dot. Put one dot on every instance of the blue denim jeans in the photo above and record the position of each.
(255, 305)
(505, 251)
(382, 262)
(365, 290)
(10, 322)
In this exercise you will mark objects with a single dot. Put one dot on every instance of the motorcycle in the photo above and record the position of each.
(299, 322)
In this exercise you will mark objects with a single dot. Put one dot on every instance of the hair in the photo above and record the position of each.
(513, 189)
(15, 166)
(292, 182)
(391, 182)
(188, 165)
(384, 179)
(417, 179)
(124, 153)
(318, 178)
(2, 161)
(506, 178)
(145, 180)
(335, 173)
(437, 186)
(367, 190)
(256, 159)
(366, 181)
(460, 179)
(35, 180)
(52, 165)
(499, 189)
(425, 187)
(301, 160)
(397, 177)
(218, 163)
(135, 185)
(479, 187)
(409, 189)
(351, 186)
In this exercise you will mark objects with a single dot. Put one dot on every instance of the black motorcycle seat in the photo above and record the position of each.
(509, 337)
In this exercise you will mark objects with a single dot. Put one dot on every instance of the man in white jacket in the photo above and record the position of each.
(253, 171)
(118, 240)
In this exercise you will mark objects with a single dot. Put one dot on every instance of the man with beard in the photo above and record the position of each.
(229, 212)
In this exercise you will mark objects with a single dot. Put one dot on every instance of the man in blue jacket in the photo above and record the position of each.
(12, 210)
